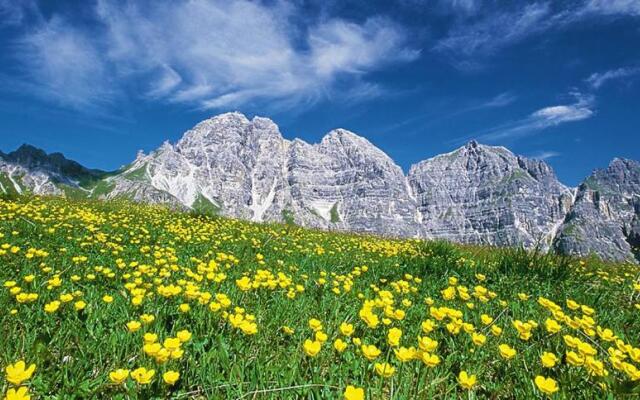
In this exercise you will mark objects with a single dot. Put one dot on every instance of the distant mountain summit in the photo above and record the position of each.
(244, 168)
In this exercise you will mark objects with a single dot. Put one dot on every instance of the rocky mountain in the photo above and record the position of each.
(243, 168)
(482, 194)
(605, 217)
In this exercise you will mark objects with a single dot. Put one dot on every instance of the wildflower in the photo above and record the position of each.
(478, 339)
(150, 338)
(312, 348)
(142, 375)
(321, 336)
(172, 344)
(79, 305)
(427, 344)
(315, 325)
(18, 372)
(371, 352)
(404, 354)
(183, 335)
(574, 358)
(466, 381)
(427, 326)
(552, 325)
(393, 337)
(496, 330)
(118, 376)
(385, 370)
(171, 377)
(287, 330)
(485, 319)
(184, 308)
(107, 299)
(507, 352)
(346, 329)
(549, 360)
(430, 360)
(133, 326)
(52, 307)
(147, 318)
(353, 393)
(21, 393)
(546, 385)
(339, 345)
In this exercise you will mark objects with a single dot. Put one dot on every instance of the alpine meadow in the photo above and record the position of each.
(119, 300)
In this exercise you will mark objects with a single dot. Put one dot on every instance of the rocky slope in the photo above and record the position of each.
(244, 168)
(482, 194)
(605, 218)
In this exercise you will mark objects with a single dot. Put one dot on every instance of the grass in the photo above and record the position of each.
(153, 261)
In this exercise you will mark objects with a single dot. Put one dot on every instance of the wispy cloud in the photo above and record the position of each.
(469, 43)
(613, 7)
(547, 117)
(501, 100)
(545, 155)
(598, 79)
(206, 54)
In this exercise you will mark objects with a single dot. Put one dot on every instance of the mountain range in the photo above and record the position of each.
(478, 194)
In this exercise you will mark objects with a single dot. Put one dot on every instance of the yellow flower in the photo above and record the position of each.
(18, 372)
(478, 339)
(321, 336)
(107, 299)
(312, 348)
(287, 330)
(546, 385)
(339, 345)
(385, 370)
(353, 393)
(52, 307)
(427, 344)
(405, 354)
(549, 360)
(133, 326)
(574, 358)
(22, 393)
(118, 376)
(183, 335)
(496, 330)
(485, 319)
(552, 325)
(142, 375)
(393, 337)
(315, 324)
(79, 305)
(572, 304)
(171, 377)
(346, 329)
(371, 352)
(184, 308)
(172, 344)
(147, 318)
(506, 351)
(427, 326)
(466, 381)
(430, 360)
(150, 338)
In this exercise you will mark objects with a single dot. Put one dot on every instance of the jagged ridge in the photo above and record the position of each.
(244, 168)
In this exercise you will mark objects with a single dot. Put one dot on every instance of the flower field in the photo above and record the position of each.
(115, 300)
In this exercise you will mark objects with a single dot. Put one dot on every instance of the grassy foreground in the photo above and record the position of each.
(114, 300)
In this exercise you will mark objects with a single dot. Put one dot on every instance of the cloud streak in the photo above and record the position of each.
(582, 108)
(205, 54)
(599, 79)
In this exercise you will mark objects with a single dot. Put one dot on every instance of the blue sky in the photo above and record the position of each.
(100, 79)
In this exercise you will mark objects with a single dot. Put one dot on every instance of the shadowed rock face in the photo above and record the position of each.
(605, 218)
(244, 168)
(487, 195)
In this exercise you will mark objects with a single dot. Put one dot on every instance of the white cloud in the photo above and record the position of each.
(501, 100)
(469, 41)
(495, 31)
(598, 79)
(210, 54)
(544, 118)
(613, 7)
(544, 155)
(62, 64)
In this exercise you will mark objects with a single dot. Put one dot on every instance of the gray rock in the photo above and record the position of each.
(605, 218)
(486, 195)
